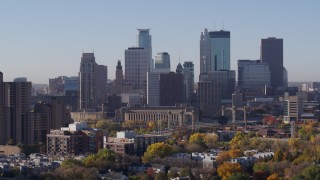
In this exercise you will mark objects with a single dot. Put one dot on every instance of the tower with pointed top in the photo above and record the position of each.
(119, 78)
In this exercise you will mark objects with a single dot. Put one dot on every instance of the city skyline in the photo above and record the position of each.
(42, 40)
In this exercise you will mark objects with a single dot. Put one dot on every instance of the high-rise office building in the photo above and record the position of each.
(226, 79)
(253, 76)
(15, 124)
(171, 89)
(165, 89)
(87, 78)
(188, 74)
(272, 53)
(2, 116)
(136, 67)
(205, 51)
(162, 62)
(153, 89)
(93, 79)
(209, 98)
(46, 116)
(214, 51)
(220, 50)
(144, 41)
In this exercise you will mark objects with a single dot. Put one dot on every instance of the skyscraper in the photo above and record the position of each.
(214, 51)
(14, 122)
(144, 41)
(220, 50)
(272, 53)
(253, 76)
(136, 66)
(171, 89)
(188, 74)
(2, 120)
(93, 79)
(205, 51)
(153, 89)
(162, 62)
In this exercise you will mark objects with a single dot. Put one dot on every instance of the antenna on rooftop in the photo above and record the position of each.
(179, 55)
(223, 26)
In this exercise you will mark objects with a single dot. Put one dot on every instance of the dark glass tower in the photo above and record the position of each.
(272, 53)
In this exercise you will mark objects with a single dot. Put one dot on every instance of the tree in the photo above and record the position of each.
(278, 155)
(273, 176)
(103, 159)
(161, 176)
(270, 120)
(70, 163)
(172, 174)
(10, 142)
(307, 130)
(197, 138)
(210, 140)
(234, 153)
(239, 141)
(311, 172)
(223, 156)
(159, 149)
(239, 176)
(227, 169)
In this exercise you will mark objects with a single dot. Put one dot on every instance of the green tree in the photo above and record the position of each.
(104, 157)
(278, 155)
(70, 163)
(197, 138)
(102, 124)
(161, 176)
(239, 176)
(172, 174)
(10, 142)
(311, 173)
(239, 141)
(211, 140)
(159, 149)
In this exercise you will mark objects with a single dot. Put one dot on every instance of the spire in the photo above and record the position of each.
(179, 68)
(119, 65)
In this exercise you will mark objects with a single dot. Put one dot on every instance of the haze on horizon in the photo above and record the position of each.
(41, 40)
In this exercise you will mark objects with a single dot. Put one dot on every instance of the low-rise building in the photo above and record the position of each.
(128, 142)
(73, 140)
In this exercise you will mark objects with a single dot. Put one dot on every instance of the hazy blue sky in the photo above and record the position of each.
(45, 39)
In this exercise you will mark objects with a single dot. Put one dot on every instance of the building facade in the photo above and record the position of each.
(15, 102)
(209, 98)
(153, 89)
(171, 89)
(144, 41)
(136, 67)
(272, 53)
(220, 50)
(176, 115)
(214, 51)
(188, 74)
(74, 140)
(253, 77)
(162, 62)
(93, 79)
